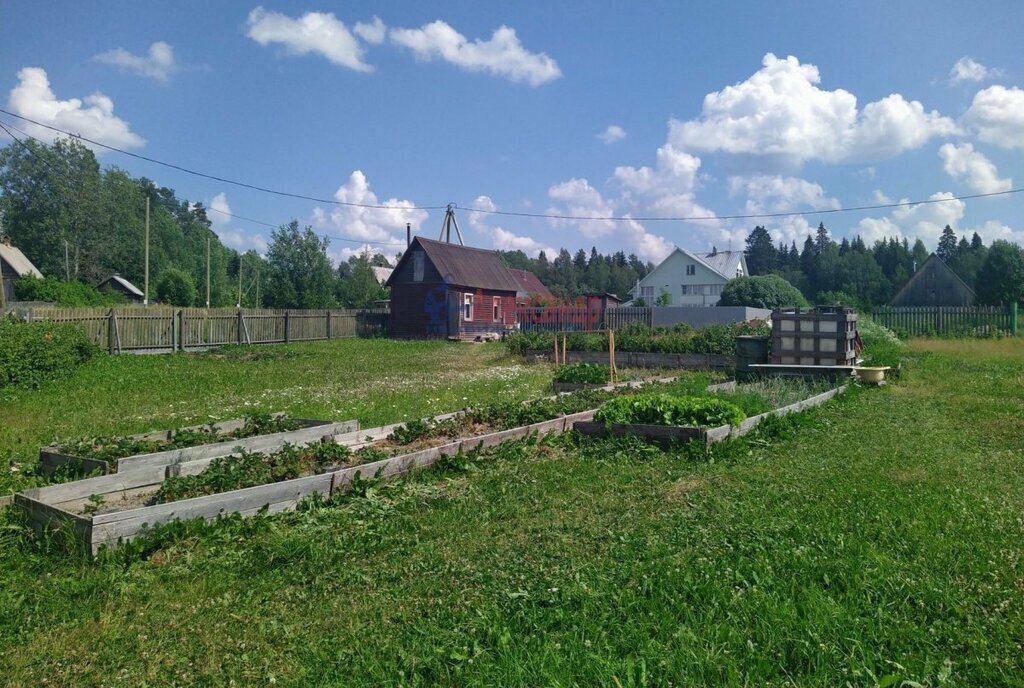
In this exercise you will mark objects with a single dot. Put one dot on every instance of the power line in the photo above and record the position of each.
(746, 216)
(329, 236)
(224, 180)
(216, 210)
(510, 213)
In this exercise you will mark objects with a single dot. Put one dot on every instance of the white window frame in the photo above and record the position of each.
(691, 269)
(467, 306)
(496, 309)
(647, 292)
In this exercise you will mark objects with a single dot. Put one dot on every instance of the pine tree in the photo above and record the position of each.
(762, 257)
(821, 239)
(947, 245)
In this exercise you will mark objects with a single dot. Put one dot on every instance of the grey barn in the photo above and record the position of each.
(934, 284)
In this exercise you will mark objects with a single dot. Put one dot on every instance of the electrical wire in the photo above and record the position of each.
(224, 180)
(510, 213)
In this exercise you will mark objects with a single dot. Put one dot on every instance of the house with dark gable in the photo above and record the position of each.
(934, 284)
(441, 290)
(13, 266)
(119, 285)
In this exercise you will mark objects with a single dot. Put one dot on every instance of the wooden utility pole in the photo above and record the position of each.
(239, 304)
(257, 285)
(207, 272)
(145, 293)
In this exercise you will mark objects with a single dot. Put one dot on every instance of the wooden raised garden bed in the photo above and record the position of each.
(667, 435)
(309, 431)
(644, 359)
(59, 508)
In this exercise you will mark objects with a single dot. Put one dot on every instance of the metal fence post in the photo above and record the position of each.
(287, 333)
(110, 332)
(181, 330)
(240, 326)
(328, 324)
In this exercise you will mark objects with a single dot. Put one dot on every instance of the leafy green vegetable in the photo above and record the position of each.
(665, 409)
(582, 373)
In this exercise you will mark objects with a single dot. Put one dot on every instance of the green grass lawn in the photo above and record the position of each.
(374, 381)
(879, 542)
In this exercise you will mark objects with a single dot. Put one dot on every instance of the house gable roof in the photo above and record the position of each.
(128, 286)
(463, 266)
(921, 271)
(530, 284)
(13, 256)
(711, 263)
(382, 274)
(725, 263)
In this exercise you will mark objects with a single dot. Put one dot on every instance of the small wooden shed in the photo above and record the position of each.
(934, 284)
(442, 290)
(119, 285)
(13, 266)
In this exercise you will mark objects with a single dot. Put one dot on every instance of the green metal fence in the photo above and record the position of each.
(919, 321)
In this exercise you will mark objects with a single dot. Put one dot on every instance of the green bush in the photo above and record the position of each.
(761, 291)
(31, 353)
(678, 339)
(582, 374)
(71, 294)
(176, 288)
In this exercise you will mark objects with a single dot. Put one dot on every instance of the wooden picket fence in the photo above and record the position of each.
(536, 318)
(160, 329)
(919, 321)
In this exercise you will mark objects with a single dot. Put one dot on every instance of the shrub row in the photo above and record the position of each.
(32, 353)
(636, 337)
(666, 409)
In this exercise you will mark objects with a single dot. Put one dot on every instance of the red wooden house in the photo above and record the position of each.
(442, 290)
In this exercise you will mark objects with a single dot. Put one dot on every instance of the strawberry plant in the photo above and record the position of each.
(582, 374)
(664, 409)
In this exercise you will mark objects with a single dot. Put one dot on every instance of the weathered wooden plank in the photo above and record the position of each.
(46, 517)
(210, 506)
(664, 435)
(313, 430)
(101, 485)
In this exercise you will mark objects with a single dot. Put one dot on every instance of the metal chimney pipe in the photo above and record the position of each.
(408, 234)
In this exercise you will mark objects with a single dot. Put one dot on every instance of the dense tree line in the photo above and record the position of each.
(570, 275)
(79, 224)
(825, 271)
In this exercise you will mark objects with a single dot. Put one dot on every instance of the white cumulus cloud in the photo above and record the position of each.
(314, 32)
(502, 55)
(967, 69)
(92, 117)
(581, 200)
(384, 224)
(220, 217)
(967, 165)
(997, 116)
(612, 134)
(158, 63)
(778, 194)
(780, 111)
(372, 32)
(502, 238)
(920, 221)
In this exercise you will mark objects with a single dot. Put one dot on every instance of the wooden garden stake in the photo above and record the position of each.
(564, 338)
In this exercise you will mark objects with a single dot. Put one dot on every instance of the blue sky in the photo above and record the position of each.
(626, 110)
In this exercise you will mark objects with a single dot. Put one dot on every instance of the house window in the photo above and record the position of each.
(417, 266)
(686, 289)
(647, 293)
(691, 269)
(467, 307)
(496, 301)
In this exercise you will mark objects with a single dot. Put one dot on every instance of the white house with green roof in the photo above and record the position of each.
(691, 279)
